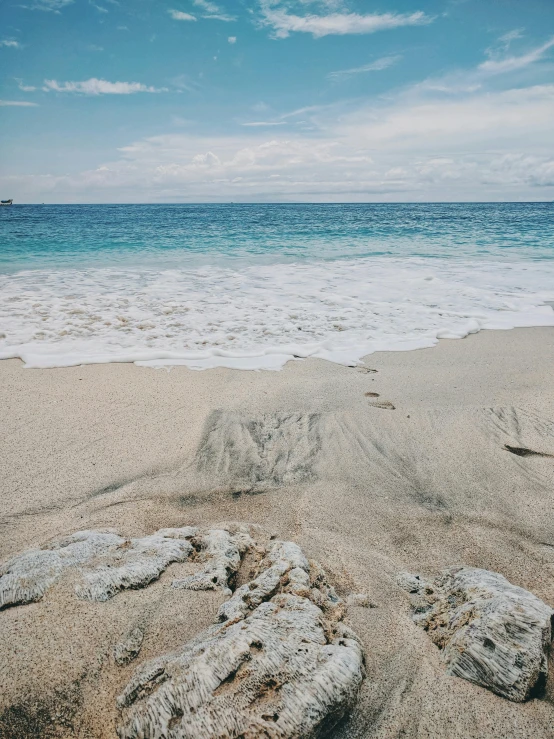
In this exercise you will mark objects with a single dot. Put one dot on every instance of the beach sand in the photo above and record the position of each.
(366, 489)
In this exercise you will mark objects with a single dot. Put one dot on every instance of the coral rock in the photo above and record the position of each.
(490, 631)
(104, 563)
(223, 553)
(279, 665)
(128, 649)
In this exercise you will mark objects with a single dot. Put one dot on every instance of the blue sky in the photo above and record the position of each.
(272, 100)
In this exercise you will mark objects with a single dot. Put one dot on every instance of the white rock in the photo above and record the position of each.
(27, 577)
(278, 666)
(490, 631)
(104, 563)
(222, 553)
(133, 565)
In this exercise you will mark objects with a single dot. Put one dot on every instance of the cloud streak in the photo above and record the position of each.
(178, 15)
(18, 104)
(377, 66)
(213, 11)
(96, 86)
(340, 24)
(52, 6)
(23, 87)
(259, 124)
(513, 63)
(10, 43)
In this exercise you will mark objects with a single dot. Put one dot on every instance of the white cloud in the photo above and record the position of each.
(99, 87)
(24, 88)
(478, 121)
(207, 6)
(283, 23)
(53, 6)
(10, 43)
(445, 139)
(232, 39)
(99, 8)
(377, 66)
(177, 15)
(507, 38)
(18, 104)
(512, 63)
(411, 146)
(213, 11)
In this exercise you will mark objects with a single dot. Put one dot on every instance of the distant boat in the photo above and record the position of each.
(6, 202)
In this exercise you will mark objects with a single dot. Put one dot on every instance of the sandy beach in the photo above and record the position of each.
(397, 466)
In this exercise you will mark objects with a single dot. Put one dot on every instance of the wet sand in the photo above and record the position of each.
(418, 461)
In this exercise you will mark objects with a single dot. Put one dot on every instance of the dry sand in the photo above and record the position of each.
(367, 491)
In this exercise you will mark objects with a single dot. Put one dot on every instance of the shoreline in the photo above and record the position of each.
(367, 490)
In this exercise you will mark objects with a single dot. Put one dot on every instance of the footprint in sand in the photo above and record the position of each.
(386, 404)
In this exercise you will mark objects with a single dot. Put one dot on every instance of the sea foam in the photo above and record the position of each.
(261, 316)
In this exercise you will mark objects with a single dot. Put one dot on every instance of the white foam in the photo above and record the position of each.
(260, 317)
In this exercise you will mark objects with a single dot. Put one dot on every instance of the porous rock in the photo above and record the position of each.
(102, 564)
(279, 664)
(135, 564)
(222, 552)
(28, 576)
(127, 649)
(490, 632)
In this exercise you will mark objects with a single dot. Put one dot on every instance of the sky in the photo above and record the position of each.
(124, 101)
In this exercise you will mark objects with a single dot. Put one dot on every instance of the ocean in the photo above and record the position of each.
(254, 286)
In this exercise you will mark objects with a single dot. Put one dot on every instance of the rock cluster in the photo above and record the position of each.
(279, 664)
(278, 661)
(489, 631)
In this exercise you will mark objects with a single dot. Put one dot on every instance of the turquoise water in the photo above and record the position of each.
(56, 236)
(253, 286)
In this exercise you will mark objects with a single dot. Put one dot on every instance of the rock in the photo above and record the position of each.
(128, 649)
(280, 664)
(104, 563)
(136, 563)
(285, 563)
(412, 583)
(490, 631)
(28, 576)
(223, 553)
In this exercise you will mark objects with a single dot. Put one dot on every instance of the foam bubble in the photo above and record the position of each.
(260, 317)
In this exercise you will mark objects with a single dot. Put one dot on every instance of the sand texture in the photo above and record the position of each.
(184, 483)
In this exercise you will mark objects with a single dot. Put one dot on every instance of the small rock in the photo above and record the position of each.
(128, 649)
(222, 553)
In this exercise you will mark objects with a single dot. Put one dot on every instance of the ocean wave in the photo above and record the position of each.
(262, 316)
